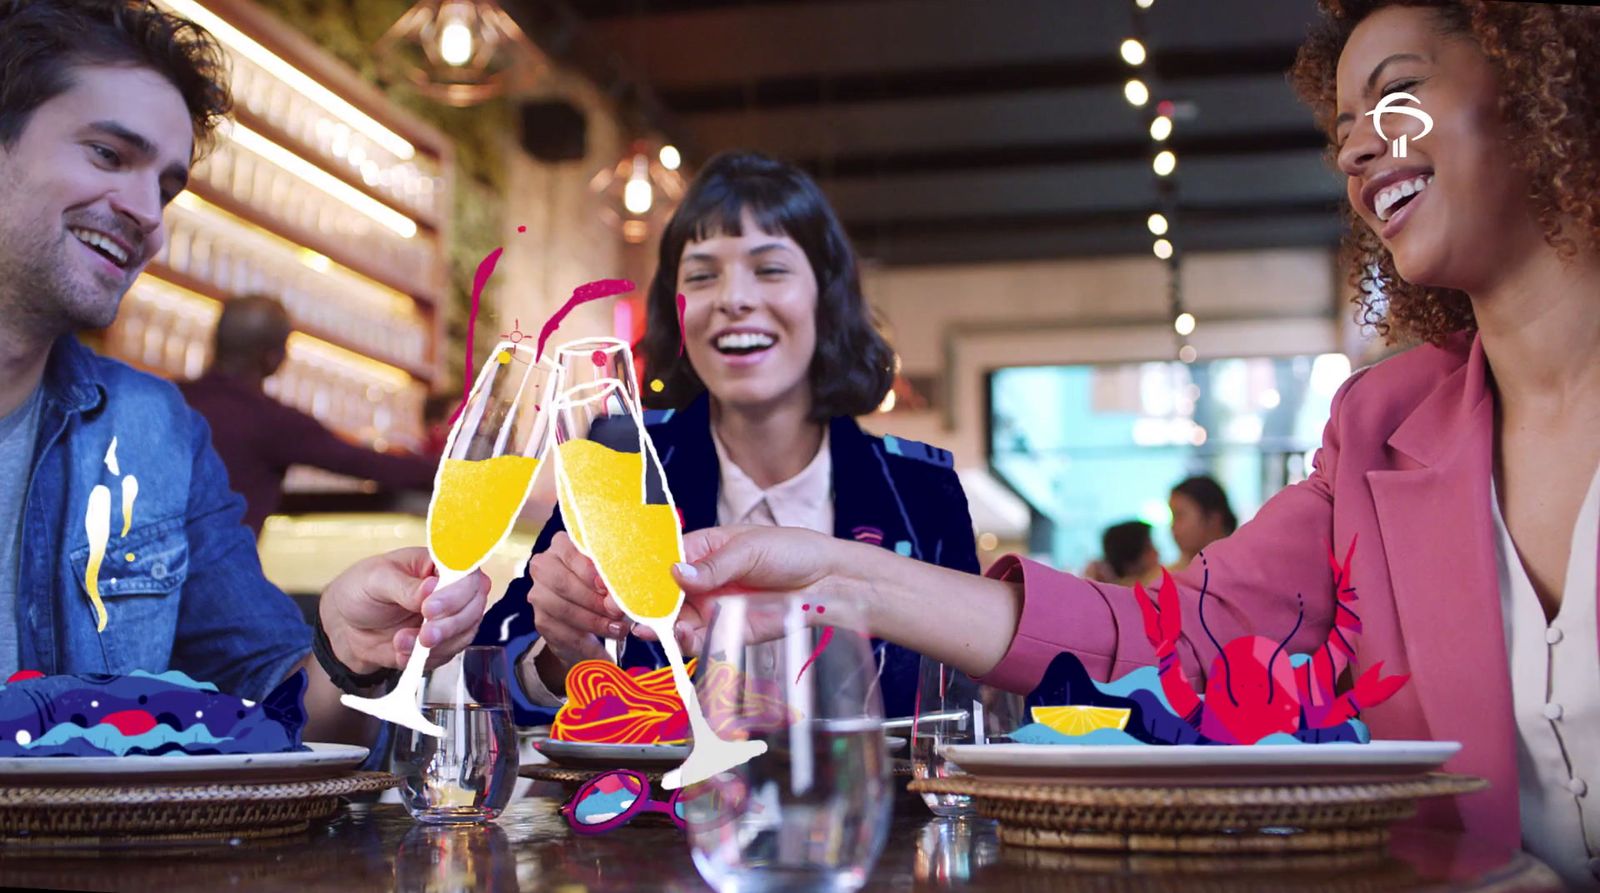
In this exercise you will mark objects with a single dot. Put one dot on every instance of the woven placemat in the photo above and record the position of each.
(52, 816)
(564, 775)
(1276, 818)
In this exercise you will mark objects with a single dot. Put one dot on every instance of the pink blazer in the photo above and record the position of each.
(1405, 467)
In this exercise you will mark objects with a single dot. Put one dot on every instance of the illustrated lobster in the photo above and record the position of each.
(1254, 689)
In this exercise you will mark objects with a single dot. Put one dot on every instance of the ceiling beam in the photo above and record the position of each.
(943, 83)
(990, 157)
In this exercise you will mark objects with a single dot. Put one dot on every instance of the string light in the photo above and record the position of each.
(1132, 52)
(1163, 249)
(1145, 4)
(1184, 324)
(1158, 224)
(1165, 163)
(1160, 128)
(1187, 353)
(1136, 92)
(670, 159)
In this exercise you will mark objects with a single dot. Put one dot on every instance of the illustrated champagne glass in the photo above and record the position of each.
(490, 461)
(628, 526)
(581, 362)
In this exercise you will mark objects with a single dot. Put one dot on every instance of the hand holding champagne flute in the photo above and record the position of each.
(621, 513)
(489, 465)
(581, 362)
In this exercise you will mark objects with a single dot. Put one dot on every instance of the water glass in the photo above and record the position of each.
(812, 812)
(468, 774)
(952, 708)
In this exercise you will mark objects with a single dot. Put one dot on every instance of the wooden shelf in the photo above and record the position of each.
(430, 295)
(199, 286)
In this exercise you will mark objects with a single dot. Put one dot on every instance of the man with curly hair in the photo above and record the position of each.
(1468, 469)
(104, 105)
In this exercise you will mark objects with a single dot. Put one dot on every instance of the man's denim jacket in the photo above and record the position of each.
(182, 587)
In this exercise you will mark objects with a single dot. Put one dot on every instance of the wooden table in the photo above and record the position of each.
(378, 847)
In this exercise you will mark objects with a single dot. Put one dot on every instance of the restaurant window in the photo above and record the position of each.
(1091, 446)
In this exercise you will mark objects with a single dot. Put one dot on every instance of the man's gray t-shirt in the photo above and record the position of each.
(17, 433)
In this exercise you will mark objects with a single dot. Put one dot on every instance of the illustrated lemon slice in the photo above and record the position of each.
(1078, 720)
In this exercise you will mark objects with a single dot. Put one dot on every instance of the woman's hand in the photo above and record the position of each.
(570, 603)
(747, 560)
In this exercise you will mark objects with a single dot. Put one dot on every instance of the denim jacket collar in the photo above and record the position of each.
(72, 380)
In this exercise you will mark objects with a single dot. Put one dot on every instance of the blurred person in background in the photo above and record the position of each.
(257, 437)
(1130, 554)
(1200, 516)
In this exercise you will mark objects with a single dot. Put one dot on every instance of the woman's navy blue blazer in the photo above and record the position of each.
(888, 491)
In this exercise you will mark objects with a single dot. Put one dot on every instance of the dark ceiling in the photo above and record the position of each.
(979, 130)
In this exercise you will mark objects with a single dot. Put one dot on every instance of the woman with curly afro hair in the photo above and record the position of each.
(1457, 481)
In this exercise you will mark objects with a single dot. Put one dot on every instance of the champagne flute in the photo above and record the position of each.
(490, 462)
(628, 526)
(581, 362)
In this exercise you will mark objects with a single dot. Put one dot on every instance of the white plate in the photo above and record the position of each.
(579, 755)
(321, 761)
(1190, 764)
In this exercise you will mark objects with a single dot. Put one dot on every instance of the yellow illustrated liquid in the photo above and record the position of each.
(130, 492)
(473, 506)
(97, 524)
(633, 544)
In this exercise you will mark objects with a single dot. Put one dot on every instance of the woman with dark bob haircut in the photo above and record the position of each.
(1457, 481)
(753, 402)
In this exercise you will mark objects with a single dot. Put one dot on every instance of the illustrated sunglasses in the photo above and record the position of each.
(615, 798)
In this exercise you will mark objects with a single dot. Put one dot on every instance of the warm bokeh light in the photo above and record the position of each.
(1132, 52)
(1157, 224)
(455, 43)
(297, 80)
(670, 159)
(1137, 92)
(1163, 249)
(1166, 162)
(1160, 128)
(1184, 324)
(1187, 353)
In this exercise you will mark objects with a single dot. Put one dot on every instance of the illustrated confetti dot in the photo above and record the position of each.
(522, 229)
(821, 608)
(504, 357)
(599, 357)
(656, 385)
(128, 557)
(806, 606)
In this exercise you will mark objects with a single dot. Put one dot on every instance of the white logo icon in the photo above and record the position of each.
(1386, 106)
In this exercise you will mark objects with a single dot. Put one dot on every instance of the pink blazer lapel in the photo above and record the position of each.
(1437, 533)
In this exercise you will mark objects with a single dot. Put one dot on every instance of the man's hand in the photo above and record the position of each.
(372, 612)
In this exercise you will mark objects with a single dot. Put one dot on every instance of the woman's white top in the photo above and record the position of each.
(1555, 695)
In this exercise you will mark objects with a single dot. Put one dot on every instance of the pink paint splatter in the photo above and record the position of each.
(479, 280)
(822, 642)
(593, 291)
(822, 645)
(682, 302)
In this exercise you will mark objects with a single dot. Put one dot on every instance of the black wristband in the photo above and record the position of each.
(346, 679)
